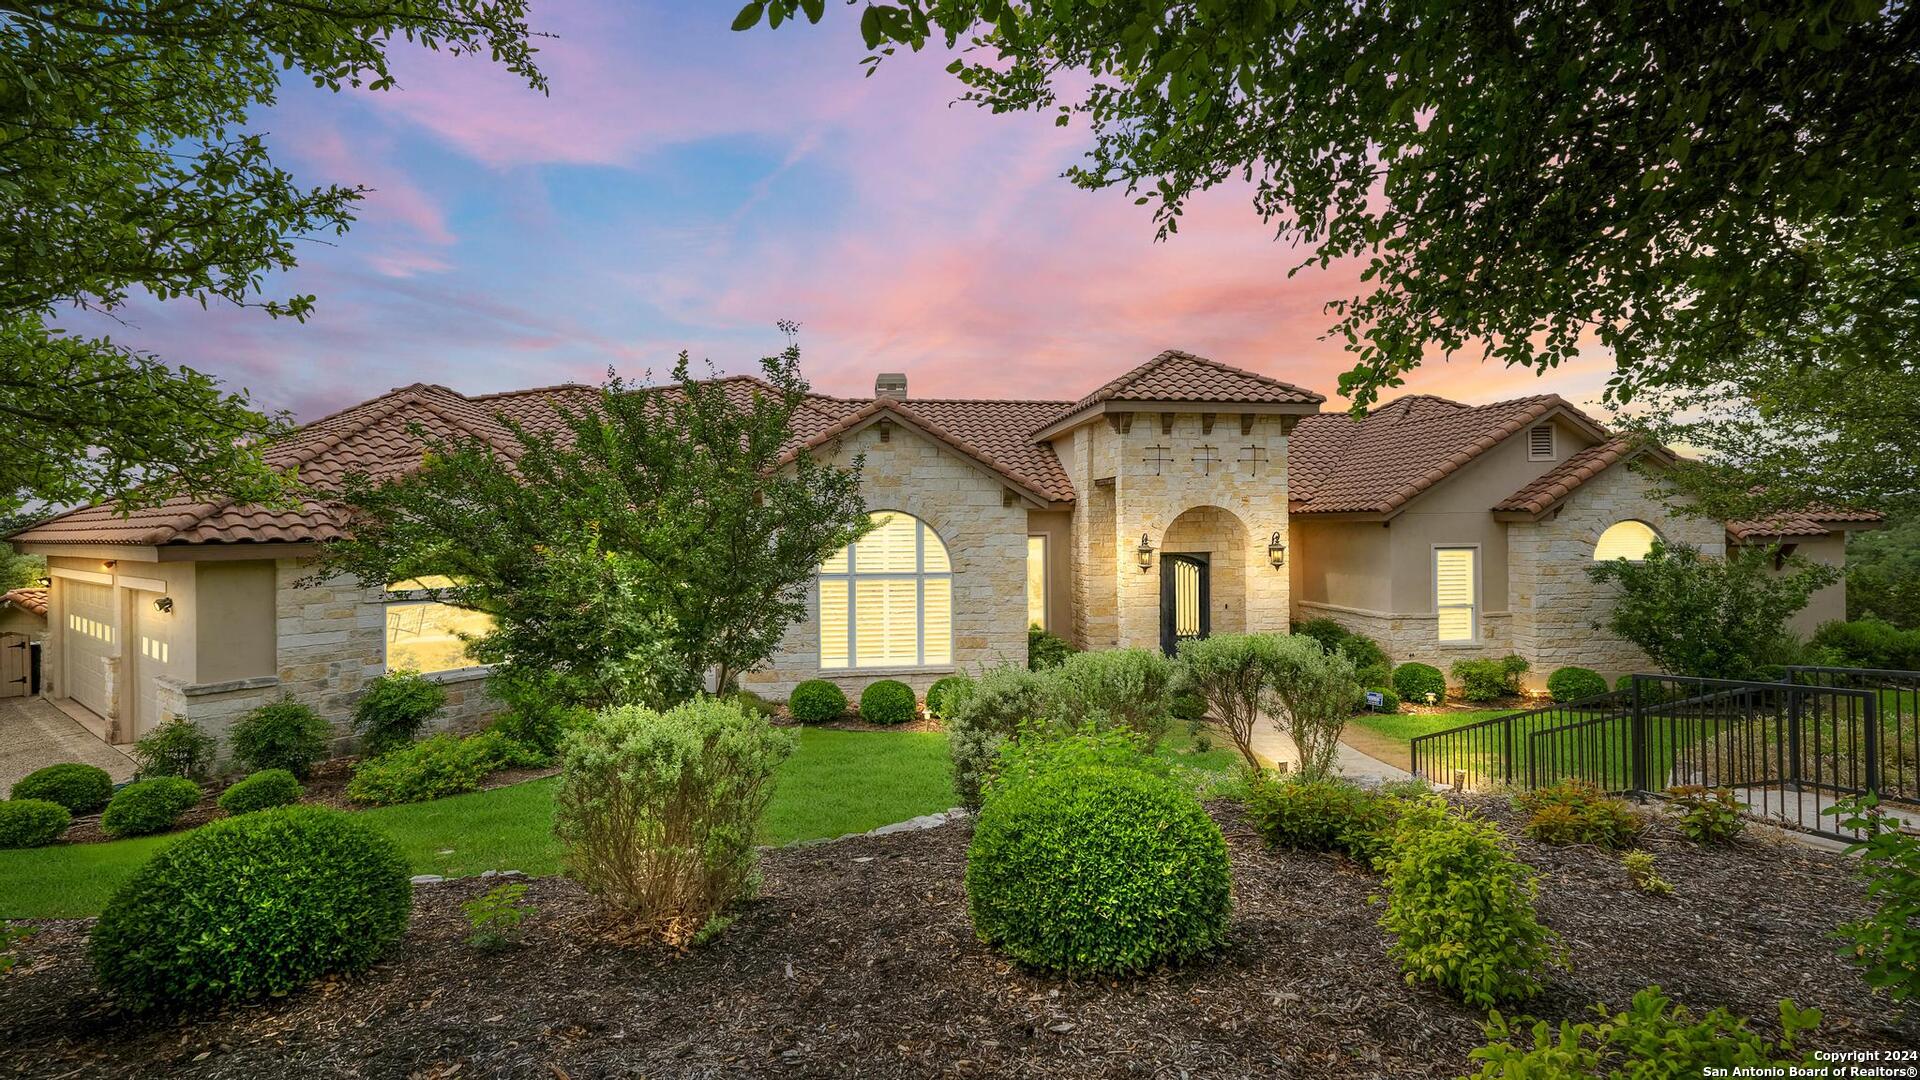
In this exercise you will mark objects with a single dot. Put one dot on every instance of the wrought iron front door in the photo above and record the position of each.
(1184, 600)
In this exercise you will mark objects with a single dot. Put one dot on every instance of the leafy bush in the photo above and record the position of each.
(496, 915)
(942, 689)
(435, 767)
(1370, 662)
(1421, 683)
(1647, 1041)
(1125, 688)
(986, 714)
(888, 701)
(1046, 650)
(1188, 705)
(1389, 701)
(751, 702)
(1325, 815)
(1323, 630)
(253, 905)
(1460, 908)
(263, 790)
(1097, 870)
(1233, 674)
(149, 806)
(817, 701)
(536, 724)
(1706, 817)
(1489, 680)
(1886, 944)
(1312, 693)
(1575, 684)
(394, 708)
(1040, 749)
(1578, 812)
(175, 748)
(82, 789)
(1644, 877)
(1870, 643)
(26, 823)
(656, 813)
(284, 734)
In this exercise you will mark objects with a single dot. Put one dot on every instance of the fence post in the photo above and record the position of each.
(1793, 736)
(1506, 738)
(1637, 736)
(1872, 702)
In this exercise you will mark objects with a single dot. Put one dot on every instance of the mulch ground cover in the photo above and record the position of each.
(858, 959)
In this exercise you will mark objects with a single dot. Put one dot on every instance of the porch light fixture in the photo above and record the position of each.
(1277, 552)
(1144, 553)
(163, 605)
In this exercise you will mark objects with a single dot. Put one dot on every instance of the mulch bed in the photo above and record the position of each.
(858, 959)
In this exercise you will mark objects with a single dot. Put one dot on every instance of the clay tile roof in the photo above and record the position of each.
(1181, 376)
(1815, 521)
(34, 600)
(1374, 465)
(991, 433)
(1545, 491)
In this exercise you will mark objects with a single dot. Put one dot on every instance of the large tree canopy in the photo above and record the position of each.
(125, 167)
(1657, 178)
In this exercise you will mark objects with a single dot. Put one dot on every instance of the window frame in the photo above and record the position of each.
(920, 576)
(1474, 614)
(1046, 573)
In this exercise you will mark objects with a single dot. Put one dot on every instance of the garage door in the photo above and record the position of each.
(91, 640)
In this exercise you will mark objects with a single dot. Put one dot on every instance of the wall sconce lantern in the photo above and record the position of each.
(164, 605)
(1144, 553)
(1276, 552)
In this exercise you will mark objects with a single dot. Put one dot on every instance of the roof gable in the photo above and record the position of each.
(1178, 377)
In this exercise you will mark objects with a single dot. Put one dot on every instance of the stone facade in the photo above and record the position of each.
(1414, 636)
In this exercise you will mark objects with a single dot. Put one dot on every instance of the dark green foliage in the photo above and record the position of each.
(1389, 701)
(394, 708)
(1577, 812)
(1886, 944)
(538, 726)
(1883, 573)
(752, 702)
(1325, 815)
(149, 806)
(1489, 680)
(1646, 1041)
(888, 701)
(938, 695)
(250, 906)
(26, 823)
(1325, 631)
(1123, 688)
(817, 701)
(82, 789)
(175, 748)
(1706, 816)
(1460, 909)
(436, 767)
(1575, 684)
(284, 734)
(985, 714)
(1188, 705)
(1869, 643)
(1046, 650)
(1371, 666)
(263, 790)
(1414, 683)
(1098, 870)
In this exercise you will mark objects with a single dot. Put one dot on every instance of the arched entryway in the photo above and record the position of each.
(1203, 588)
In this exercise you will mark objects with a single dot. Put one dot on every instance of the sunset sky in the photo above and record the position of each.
(685, 186)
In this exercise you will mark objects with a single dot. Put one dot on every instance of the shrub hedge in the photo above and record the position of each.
(82, 789)
(176, 748)
(1122, 688)
(253, 905)
(1648, 1041)
(889, 702)
(436, 767)
(1489, 680)
(393, 709)
(1415, 681)
(263, 790)
(151, 806)
(1046, 650)
(817, 701)
(985, 715)
(1575, 684)
(284, 734)
(940, 693)
(26, 823)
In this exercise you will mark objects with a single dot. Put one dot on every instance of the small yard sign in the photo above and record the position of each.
(1376, 700)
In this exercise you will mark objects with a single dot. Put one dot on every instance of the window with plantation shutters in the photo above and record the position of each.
(886, 600)
(1456, 592)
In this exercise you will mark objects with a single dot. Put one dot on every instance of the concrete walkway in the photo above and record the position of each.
(1272, 745)
(34, 734)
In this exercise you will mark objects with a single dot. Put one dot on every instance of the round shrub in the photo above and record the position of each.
(149, 806)
(817, 701)
(888, 701)
(31, 822)
(941, 691)
(1325, 631)
(1575, 684)
(284, 734)
(394, 708)
(175, 748)
(82, 789)
(253, 905)
(263, 790)
(1414, 681)
(1098, 870)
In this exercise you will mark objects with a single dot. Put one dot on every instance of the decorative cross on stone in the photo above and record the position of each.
(1207, 458)
(1253, 456)
(1157, 456)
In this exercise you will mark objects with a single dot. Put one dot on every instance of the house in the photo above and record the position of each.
(1181, 499)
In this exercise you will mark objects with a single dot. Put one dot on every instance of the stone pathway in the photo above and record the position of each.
(1270, 744)
(34, 734)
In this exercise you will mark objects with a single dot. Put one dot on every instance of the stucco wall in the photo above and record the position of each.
(1057, 527)
(1829, 603)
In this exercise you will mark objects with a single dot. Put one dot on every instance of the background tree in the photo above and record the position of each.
(124, 167)
(1706, 617)
(1661, 179)
(1883, 574)
(626, 553)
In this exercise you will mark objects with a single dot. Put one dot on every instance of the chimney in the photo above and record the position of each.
(890, 384)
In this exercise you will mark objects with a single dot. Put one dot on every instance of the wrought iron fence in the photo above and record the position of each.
(1486, 755)
(1897, 695)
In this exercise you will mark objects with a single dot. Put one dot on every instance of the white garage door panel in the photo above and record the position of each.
(92, 638)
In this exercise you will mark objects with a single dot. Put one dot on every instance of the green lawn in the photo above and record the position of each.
(1404, 727)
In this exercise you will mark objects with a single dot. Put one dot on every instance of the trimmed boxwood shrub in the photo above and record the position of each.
(1414, 681)
(1489, 680)
(82, 789)
(28, 823)
(284, 734)
(940, 693)
(175, 748)
(263, 790)
(1575, 684)
(1329, 815)
(817, 701)
(1097, 870)
(253, 905)
(394, 708)
(888, 701)
(149, 806)
(1389, 701)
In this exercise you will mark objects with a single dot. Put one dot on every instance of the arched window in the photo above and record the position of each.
(1630, 540)
(887, 599)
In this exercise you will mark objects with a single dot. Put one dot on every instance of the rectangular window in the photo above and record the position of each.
(1456, 592)
(1037, 581)
(426, 636)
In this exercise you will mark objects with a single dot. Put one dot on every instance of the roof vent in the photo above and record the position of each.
(891, 384)
(1540, 443)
